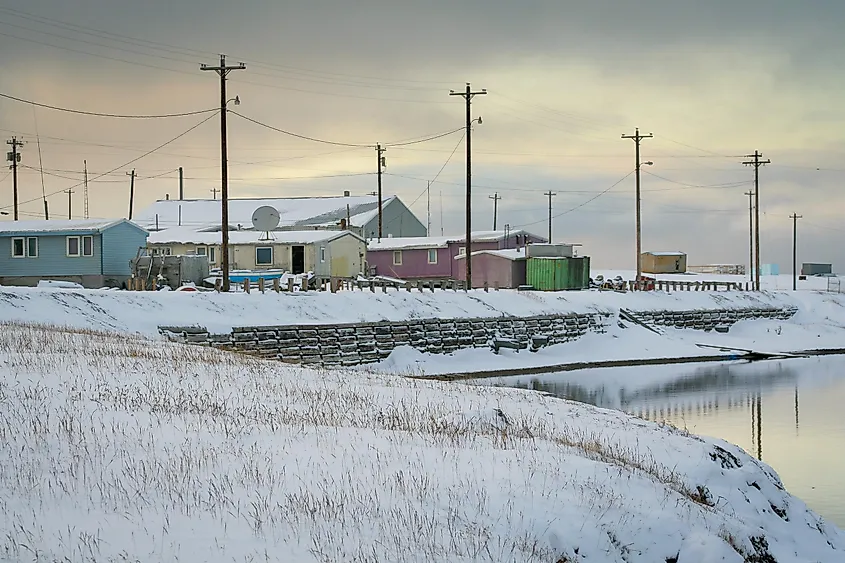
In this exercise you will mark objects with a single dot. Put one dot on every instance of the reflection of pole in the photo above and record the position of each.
(796, 409)
(759, 427)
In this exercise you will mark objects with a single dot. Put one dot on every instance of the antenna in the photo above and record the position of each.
(85, 192)
(40, 165)
(265, 218)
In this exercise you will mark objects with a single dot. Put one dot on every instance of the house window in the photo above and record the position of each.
(73, 246)
(88, 246)
(462, 250)
(397, 257)
(166, 251)
(18, 248)
(211, 254)
(432, 256)
(263, 255)
(201, 251)
(32, 247)
(322, 254)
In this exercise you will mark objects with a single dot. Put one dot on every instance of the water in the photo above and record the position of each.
(790, 414)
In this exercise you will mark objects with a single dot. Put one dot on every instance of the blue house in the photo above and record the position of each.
(91, 252)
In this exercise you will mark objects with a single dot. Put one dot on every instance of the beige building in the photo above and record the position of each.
(664, 262)
(325, 253)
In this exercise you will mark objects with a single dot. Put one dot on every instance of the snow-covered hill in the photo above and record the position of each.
(116, 448)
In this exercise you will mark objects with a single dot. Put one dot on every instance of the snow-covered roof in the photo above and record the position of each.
(508, 253)
(407, 243)
(60, 226)
(293, 211)
(185, 235)
(670, 253)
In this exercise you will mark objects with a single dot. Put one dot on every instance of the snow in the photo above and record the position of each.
(117, 448)
(57, 226)
(292, 211)
(59, 284)
(509, 253)
(143, 312)
(187, 235)
(408, 243)
(669, 253)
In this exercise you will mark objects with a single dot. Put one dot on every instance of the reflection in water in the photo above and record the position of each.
(723, 400)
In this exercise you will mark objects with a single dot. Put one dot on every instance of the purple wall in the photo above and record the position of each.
(494, 269)
(414, 263)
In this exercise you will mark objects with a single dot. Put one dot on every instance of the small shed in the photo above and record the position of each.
(816, 269)
(91, 252)
(664, 262)
(496, 268)
(556, 274)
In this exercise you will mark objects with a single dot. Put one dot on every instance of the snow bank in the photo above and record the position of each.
(119, 448)
(144, 311)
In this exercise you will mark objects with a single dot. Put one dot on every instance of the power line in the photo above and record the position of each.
(97, 114)
(601, 193)
(125, 164)
(304, 137)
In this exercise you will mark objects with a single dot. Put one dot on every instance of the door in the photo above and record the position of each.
(297, 259)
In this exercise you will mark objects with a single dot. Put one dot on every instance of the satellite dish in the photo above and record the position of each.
(265, 218)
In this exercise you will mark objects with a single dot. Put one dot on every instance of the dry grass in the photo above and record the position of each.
(118, 448)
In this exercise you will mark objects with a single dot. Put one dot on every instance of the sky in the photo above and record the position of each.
(712, 81)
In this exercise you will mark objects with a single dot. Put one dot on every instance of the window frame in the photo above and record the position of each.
(23, 247)
(462, 250)
(322, 254)
(397, 253)
(202, 251)
(88, 238)
(257, 248)
(434, 250)
(212, 254)
(78, 246)
(28, 249)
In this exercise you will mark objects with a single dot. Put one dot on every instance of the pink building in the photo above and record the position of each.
(419, 258)
(496, 268)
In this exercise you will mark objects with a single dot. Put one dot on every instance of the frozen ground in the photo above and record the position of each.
(117, 448)
(143, 312)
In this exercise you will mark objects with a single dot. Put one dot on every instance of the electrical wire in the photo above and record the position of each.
(98, 114)
(580, 205)
(426, 139)
(298, 136)
(124, 165)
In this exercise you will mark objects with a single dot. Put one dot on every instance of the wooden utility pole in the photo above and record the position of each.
(756, 163)
(14, 157)
(222, 70)
(214, 192)
(795, 218)
(551, 195)
(69, 193)
(380, 164)
(468, 95)
(428, 209)
(131, 191)
(636, 137)
(750, 194)
(85, 188)
(181, 185)
(495, 197)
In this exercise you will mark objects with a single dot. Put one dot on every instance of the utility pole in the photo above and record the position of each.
(85, 189)
(750, 194)
(428, 209)
(131, 191)
(756, 163)
(795, 218)
(636, 137)
(214, 192)
(468, 95)
(495, 197)
(14, 157)
(182, 185)
(69, 193)
(551, 195)
(223, 71)
(381, 163)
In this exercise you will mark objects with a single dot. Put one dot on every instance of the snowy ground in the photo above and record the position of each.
(143, 312)
(115, 448)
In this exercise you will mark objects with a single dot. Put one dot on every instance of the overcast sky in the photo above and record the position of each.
(713, 81)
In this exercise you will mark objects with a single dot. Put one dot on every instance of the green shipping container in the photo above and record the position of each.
(556, 274)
